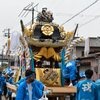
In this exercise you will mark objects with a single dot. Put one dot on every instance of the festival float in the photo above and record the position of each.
(46, 47)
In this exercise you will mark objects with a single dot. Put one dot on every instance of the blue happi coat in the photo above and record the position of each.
(11, 82)
(20, 81)
(98, 89)
(86, 90)
(70, 70)
(2, 82)
(37, 91)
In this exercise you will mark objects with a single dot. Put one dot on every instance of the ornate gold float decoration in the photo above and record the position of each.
(49, 76)
(47, 53)
(47, 29)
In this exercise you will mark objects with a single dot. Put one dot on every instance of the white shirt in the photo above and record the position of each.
(30, 91)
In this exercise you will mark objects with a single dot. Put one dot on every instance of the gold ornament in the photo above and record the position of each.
(61, 29)
(47, 29)
(28, 31)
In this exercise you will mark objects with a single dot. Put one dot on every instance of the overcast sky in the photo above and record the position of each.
(62, 10)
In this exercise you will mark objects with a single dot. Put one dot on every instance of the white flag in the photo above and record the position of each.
(14, 41)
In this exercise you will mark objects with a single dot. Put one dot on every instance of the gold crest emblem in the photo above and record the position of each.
(47, 29)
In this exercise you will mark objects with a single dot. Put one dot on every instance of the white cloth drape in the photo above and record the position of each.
(14, 41)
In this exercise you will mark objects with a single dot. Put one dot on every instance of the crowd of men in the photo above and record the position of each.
(5, 77)
(87, 89)
(31, 89)
(28, 88)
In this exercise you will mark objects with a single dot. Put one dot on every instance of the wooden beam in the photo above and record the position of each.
(54, 90)
(13, 88)
(63, 90)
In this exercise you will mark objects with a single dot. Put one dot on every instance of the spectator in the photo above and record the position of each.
(97, 82)
(2, 79)
(86, 89)
(82, 75)
(10, 80)
(4, 85)
(30, 89)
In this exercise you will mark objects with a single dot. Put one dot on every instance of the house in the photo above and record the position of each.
(92, 58)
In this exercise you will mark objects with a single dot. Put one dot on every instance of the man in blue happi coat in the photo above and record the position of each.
(2, 81)
(86, 89)
(97, 82)
(70, 72)
(20, 81)
(11, 81)
(30, 89)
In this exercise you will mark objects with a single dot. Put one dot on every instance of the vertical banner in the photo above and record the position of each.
(62, 65)
(32, 60)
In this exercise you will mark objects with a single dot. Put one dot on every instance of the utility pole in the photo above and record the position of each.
(8, 46)
(27, 9)
(32, 10)
(32, 15)
(2, 56)
(7, 34)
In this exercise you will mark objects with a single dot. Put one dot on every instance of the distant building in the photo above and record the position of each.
(6, 60)
(94, 47)
(92, 59)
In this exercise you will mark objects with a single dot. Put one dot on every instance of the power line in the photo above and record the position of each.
(27, 9)
(71, 14)
(89, 21)
(23, 12)
(80, 12)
